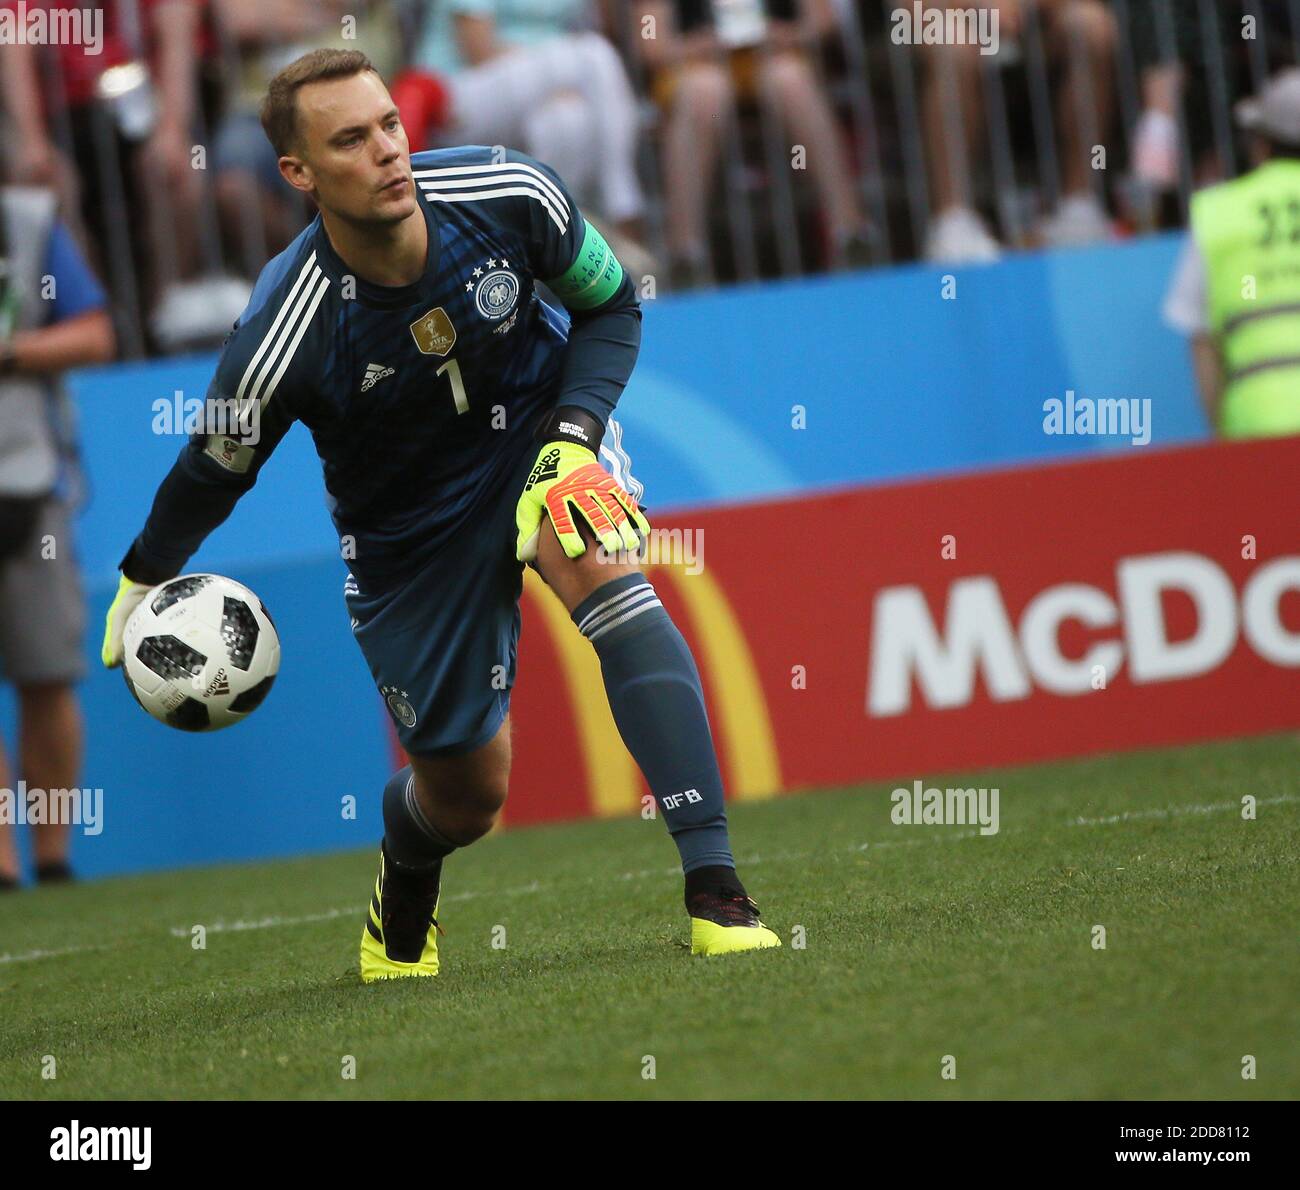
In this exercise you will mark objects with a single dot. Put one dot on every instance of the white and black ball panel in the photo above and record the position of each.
(176, 590)
(247, 702)
(190, 715)
(170, 658)
(239, 630)
(200, 652)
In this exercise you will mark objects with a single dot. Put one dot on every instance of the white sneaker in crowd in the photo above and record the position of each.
(198, 314)
(1079, 219)
(959, 236)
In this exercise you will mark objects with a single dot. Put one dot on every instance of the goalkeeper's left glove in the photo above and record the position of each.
(565, 477)
(128, 598)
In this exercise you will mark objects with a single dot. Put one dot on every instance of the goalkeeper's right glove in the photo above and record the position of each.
(126, 600)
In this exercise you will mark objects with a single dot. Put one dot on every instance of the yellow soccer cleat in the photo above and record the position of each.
(400, 938)
(726, 921)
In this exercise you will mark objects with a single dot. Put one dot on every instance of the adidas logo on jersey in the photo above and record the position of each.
(374, 374)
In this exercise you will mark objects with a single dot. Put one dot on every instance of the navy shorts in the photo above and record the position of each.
(441, 647)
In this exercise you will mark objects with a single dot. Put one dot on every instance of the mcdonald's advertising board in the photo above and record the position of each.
(884, 633)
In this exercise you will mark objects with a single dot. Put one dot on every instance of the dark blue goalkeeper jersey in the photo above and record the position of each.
(422, 398)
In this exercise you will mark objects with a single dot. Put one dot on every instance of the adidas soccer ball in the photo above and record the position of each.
(200, 652)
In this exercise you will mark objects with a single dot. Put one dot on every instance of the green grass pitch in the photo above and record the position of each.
(921, 942)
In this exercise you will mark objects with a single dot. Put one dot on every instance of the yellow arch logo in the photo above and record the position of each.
(724, 655)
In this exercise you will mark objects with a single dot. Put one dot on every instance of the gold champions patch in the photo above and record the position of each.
(433, 332)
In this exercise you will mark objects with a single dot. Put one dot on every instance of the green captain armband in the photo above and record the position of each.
(593, 278)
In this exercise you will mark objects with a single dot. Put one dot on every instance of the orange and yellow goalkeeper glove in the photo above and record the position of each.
(567, 480)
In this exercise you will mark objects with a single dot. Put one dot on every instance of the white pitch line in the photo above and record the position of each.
(1178, 811)
(262, 923)
(920, 840)
(30, 956)
(275, 922)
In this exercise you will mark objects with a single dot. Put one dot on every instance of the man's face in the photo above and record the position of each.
(353, 150)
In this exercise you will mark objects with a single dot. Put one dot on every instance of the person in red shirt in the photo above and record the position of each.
(112, 132)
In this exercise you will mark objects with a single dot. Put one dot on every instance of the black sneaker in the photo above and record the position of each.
(56, 871)
(725, 919)
(401, 933)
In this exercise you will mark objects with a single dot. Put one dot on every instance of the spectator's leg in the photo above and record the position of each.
(489, 102)
(570, 100)
(951, 113)
(561, 131)
(168, 189)
(951, 108)
(692, 136)
(1082, 35)
(1082, 38)
(50, 728)
(793, 96)
(252, 200)
(255, 223)
(614, 107)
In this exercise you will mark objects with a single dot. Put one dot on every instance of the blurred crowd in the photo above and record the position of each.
(712, 140)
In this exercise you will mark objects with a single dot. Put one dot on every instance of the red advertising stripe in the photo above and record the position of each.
(1147, 598)
(1116, 547)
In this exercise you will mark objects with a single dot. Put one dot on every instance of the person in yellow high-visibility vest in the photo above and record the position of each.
(1236, 289)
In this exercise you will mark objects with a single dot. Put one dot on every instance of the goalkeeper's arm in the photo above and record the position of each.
(205, 483)
(187, 507)
(190, 503)
(571, 256)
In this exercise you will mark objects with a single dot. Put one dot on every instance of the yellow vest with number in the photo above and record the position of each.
(1248, 233)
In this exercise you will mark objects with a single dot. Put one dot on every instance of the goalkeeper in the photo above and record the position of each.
(464, 427)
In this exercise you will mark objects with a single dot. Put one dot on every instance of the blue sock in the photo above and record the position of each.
(657, 701)
(412, 844)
